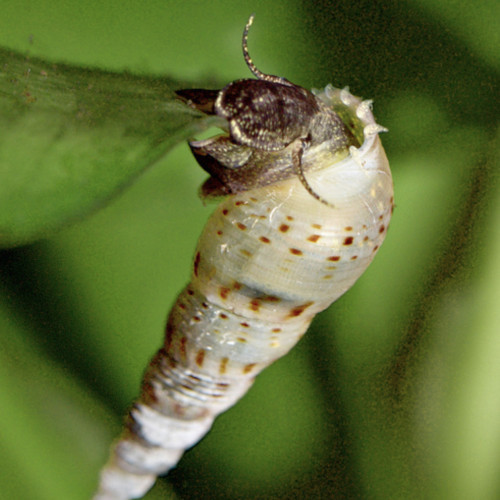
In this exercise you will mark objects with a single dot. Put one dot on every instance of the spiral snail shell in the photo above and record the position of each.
(310, 199)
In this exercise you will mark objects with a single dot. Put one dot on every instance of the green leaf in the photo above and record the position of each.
(71, 138)
(49, 416)
(46, 415)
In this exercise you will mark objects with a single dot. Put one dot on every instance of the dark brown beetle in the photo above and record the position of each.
(273, 129)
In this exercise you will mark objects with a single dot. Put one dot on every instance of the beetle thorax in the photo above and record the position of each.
(266, 115)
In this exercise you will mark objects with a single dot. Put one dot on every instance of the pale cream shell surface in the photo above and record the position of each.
(279, 241)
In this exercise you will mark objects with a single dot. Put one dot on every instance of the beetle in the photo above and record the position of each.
(271, 125)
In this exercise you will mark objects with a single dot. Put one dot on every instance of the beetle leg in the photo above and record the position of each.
(299, 171)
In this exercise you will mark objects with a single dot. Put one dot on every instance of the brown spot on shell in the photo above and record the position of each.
(284, 228)
(297, 311)
(276, 330)
(252, 198)
(223, 316)
(219, 233)
(190, 292)
(248, 368)
(245, 252)
(182, 347)
(149, 394)
(196, 263)
(241, 340)
(244, 324)
(182, 306)
(264, 239)
(225, 211)
(255, 305)
(223, 365)
(271, 298)
(354, 257)
(348, 241)
(314, 238)
(348, 228)
(333, 258)
(328, 276)
(289, 217)
(241, 226)
(197, 319)
(224, 292)
(381, 229)
(200, 357)
(295, 251)
(375, 248)
(240, 202)
(204, 305)
(316, 226)
(237, 285)
(169, 334)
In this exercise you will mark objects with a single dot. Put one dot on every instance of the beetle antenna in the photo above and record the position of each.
(251, 66)
(246, 55)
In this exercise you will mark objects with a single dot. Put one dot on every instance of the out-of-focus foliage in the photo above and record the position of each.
(394, 393)
(72, 138)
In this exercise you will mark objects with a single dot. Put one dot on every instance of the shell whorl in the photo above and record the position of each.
(267, 261)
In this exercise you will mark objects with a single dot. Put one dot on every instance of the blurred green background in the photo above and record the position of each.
(394, 393)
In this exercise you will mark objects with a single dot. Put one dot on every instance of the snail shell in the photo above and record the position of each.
(273, 254)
